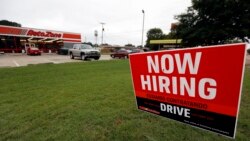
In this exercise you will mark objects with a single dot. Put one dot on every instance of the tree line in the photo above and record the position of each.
(10, 23)
(209, 22)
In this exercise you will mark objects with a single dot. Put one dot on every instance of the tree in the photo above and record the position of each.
(214, 22)
(154, 34)
(9, 23)
(88, 43)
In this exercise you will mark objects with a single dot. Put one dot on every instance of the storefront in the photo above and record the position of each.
(13, 39)
(166, 43)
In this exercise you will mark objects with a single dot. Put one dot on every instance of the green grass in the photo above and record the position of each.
(89, 101)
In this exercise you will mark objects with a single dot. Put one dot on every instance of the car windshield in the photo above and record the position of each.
(129, 51)
(84, 46)
(120, 51)
(135, 50)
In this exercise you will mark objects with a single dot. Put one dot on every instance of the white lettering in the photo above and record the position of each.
(185, 63)
(187, 60)
(169, 109)
(164, 84)
(152, 64)
(163, 107)
(187, 113)
(190, 88)
(205, 88)
(170, 65)
(154, 83)
(211, 91)
(175, 110)
(145, 83)
(179, 110)
(174, 85)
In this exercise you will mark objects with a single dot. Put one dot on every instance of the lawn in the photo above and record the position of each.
(89, 101)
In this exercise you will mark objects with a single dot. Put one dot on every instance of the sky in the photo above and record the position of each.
(123, 18)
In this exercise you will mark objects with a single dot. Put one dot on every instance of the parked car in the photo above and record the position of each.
(63, 51)
(31, 49)
(84, 51)
(136, 50)
(122, 53)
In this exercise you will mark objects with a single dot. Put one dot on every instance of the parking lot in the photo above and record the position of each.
(248, 60)
(18, 59)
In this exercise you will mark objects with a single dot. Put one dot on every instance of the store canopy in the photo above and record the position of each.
(166, 41)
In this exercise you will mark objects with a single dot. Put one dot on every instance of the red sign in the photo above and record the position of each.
(44, 34)
(39, 33)
(198, 86)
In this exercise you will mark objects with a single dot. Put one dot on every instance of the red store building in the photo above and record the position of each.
(13, 39)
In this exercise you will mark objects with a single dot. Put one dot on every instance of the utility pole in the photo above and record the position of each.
(143, 12)
(102, 30)
(96, 35)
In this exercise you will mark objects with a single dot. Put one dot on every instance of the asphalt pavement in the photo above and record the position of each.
(18, 59)
(248, 60)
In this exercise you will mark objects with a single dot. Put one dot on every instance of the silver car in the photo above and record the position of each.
(84, 51)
